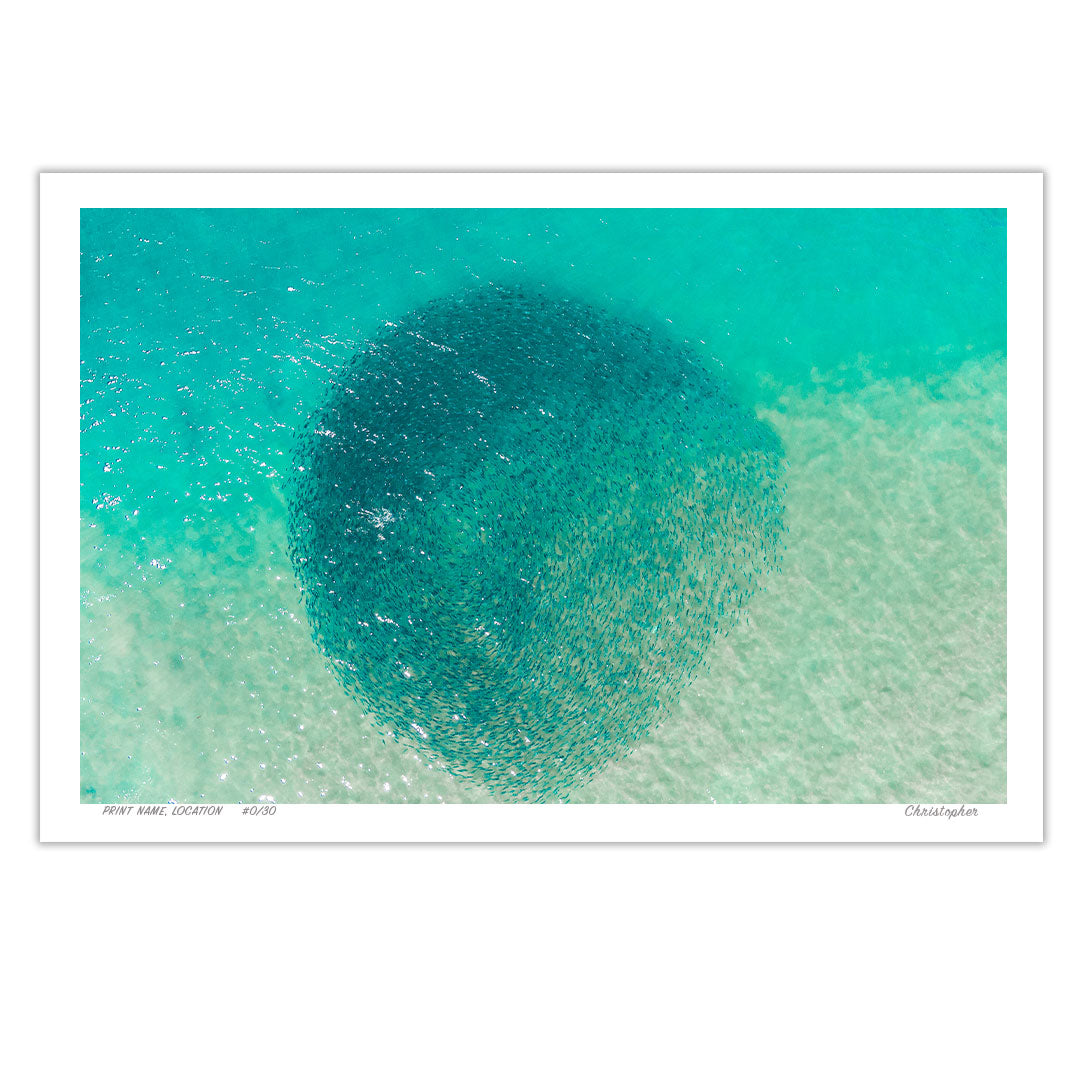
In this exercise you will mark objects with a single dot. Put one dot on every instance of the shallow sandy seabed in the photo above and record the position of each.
(872, 669)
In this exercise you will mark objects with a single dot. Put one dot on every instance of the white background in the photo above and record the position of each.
(594, 961)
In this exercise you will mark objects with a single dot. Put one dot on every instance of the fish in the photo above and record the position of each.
(594, 507)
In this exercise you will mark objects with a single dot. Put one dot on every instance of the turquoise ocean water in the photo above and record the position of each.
(871, 342)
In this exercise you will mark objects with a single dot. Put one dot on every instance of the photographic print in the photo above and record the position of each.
(572, 506)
